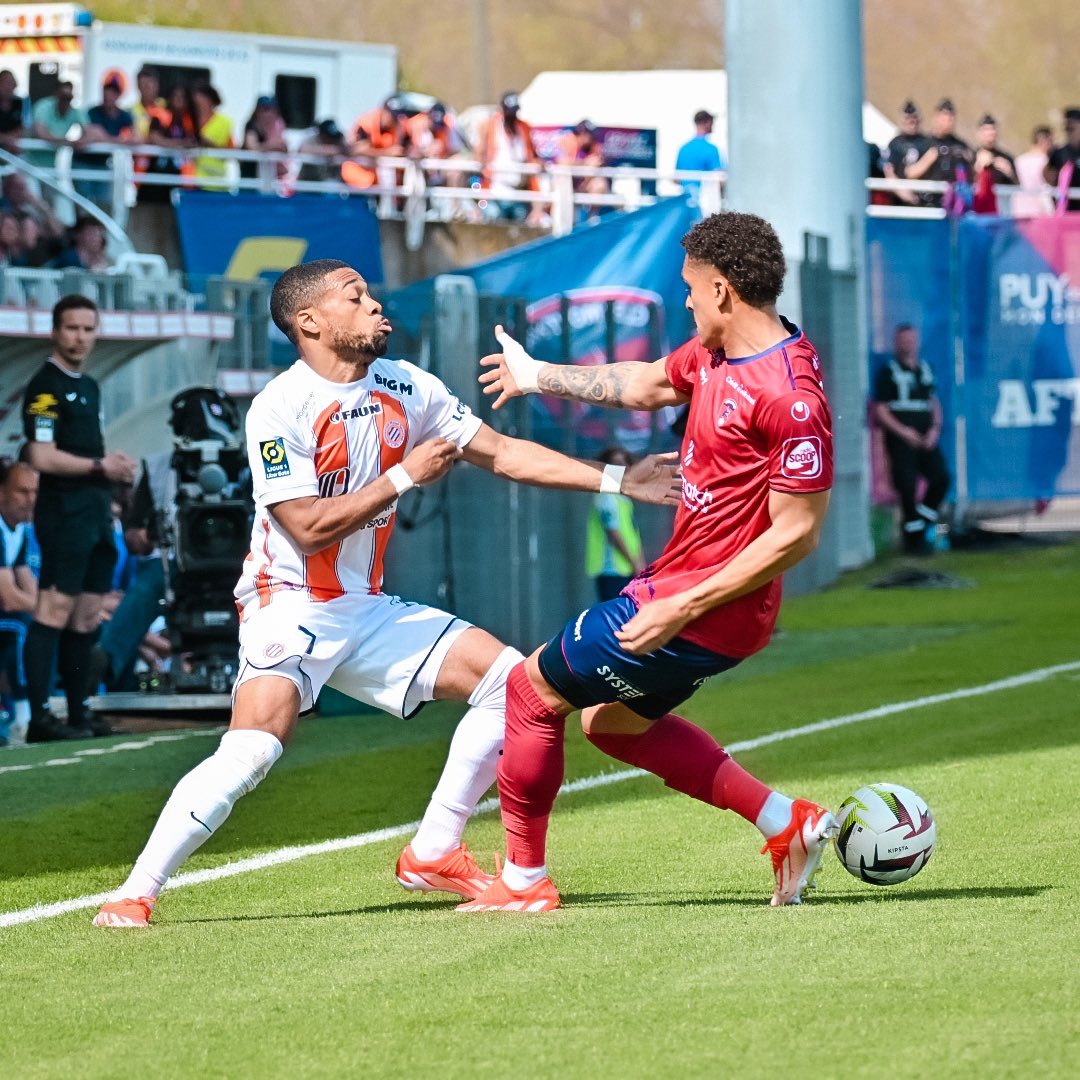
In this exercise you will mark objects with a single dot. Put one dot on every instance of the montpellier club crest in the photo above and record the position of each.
(394, 434)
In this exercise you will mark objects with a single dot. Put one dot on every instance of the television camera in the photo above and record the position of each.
(206, 532)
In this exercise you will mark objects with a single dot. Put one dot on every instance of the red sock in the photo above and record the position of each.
(530, 769)
(690, 760)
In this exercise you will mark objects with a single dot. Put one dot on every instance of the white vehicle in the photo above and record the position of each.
(312, 80)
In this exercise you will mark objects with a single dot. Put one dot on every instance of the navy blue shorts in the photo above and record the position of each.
(586, 664)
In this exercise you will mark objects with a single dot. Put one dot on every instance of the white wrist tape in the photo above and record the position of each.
(523, 367)
(401, 480)
(611, 479)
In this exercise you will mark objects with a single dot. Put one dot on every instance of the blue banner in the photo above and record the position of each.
(1020, 320)
(909, 281)
(614, 286)
(248, 235)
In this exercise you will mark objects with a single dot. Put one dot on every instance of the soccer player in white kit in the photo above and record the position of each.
(333, 442)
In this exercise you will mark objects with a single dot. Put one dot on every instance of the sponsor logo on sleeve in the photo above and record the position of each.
(800, 411)
(801, 458)
(44, 405)
(275, 460)
(44, 429)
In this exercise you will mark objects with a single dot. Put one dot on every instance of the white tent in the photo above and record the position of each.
(664, 100)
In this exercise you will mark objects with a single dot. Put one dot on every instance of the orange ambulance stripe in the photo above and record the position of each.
(331, 453)
(391, 413)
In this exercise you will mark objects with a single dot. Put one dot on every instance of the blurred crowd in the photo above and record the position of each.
(1042, 174)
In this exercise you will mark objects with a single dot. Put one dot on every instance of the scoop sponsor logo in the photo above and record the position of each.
(801, 458)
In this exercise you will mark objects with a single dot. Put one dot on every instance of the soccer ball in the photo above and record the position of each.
(887, 834)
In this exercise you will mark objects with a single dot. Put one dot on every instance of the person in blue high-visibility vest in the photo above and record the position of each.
(612, 542)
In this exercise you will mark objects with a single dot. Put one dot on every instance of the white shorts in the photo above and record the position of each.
(381, 650)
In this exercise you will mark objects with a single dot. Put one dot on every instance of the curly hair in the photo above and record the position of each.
(745, 249)
(299, 287)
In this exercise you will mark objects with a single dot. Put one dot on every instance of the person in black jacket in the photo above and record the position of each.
(72, 519)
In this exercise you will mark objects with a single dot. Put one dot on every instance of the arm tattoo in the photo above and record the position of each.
(603, 385)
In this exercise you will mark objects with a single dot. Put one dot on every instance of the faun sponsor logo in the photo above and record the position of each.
(801, 458)
(355, 414)
(393, 385)
(622, 688)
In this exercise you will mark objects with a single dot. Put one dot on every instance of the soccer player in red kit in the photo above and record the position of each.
(757, 466)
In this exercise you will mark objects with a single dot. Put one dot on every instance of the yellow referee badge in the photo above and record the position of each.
(275, 460)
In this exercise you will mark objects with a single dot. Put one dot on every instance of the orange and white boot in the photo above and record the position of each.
(455, 872)
(796, 852)
(121, 914)
(538, 898)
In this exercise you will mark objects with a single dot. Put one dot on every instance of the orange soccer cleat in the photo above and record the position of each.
(455, 872)
(125, 913)
(543, 896)
(796, 852)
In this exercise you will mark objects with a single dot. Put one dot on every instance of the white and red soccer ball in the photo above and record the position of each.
(887, 834)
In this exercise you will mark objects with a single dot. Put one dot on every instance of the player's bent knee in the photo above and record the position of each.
(248, 755)
(490, 691)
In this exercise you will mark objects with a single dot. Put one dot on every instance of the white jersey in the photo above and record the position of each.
(309, 436)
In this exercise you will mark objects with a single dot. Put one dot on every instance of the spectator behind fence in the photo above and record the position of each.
(993, 166)
(1061, 168)
(56, 119)
(265, 132)
(18, 587)
(953, 160)
(11, 248)
(11, 113)
(174, 130)
(435, 134)
(37, 249)
(21, 201)
(909, 155)
(699, 154)
(106, 123)
(1033, 200)
(507, 142)
(86, 250)
(907, 409)
(327, 141)
(148, 107)
(612, 541)
(62, 421)
(212, 129)
(378, 133)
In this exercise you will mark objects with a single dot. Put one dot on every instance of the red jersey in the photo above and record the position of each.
(756, 424)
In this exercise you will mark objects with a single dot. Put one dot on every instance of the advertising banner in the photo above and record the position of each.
(248, 235)
(616, 287)
(1020, 321)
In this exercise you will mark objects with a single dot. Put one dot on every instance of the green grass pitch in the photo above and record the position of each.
(667, 960)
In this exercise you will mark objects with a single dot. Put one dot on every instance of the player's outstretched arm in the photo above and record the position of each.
(654, 479)
(626, 385)
(314, 523)
(793, 534)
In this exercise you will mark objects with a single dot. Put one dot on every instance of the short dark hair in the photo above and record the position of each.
(902, 328)
(71, 302)
(1041, 130)
(207, 90)
(299, 287)
(745, 249)
(147, 71)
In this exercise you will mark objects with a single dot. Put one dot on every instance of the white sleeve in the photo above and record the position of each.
(280, 454)
(445, 416)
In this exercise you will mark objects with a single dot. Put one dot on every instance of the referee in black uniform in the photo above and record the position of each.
(907, 409)
(72, 519)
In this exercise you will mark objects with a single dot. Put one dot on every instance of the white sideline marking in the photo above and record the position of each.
(586, 783)
(79, 756)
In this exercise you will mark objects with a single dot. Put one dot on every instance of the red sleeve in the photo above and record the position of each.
(683, 364)
(797, 427)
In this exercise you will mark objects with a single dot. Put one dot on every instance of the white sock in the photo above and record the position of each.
(520, 878)
(471, 764)
(199, 804)
(775, 815)
(20, 721)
